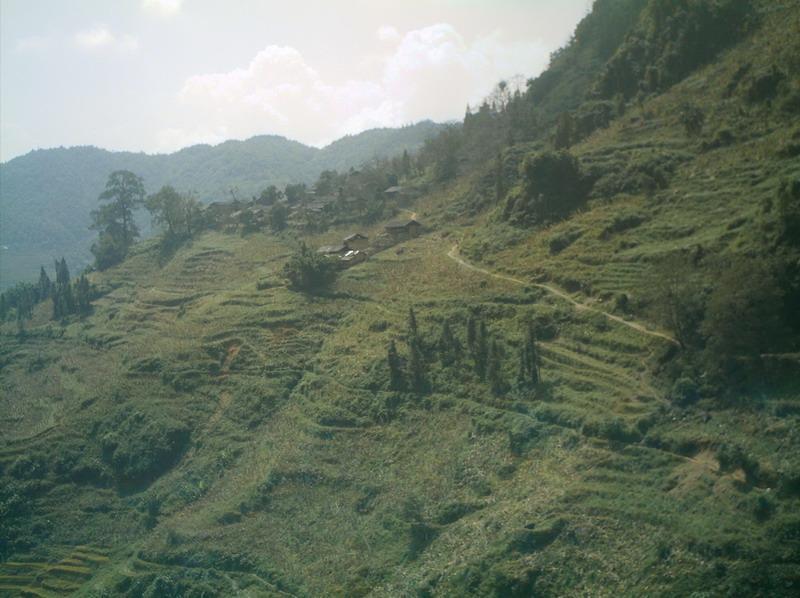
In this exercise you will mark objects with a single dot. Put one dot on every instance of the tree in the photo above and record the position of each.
(412, 324)
(565, 131)
(448, 345)
(693, 118)
(309, 271)
(499, 178)
(396, 381)
(270, 196)
(44, 286)
(278, 217)
(679, 300)
(63, 298)
(481, 351)
(168, 207)
(554, 187)
(405, 164)
(82, 296)
(494, 371)
(114, 220)
(416, 365)
(529, 373)
(743, 319)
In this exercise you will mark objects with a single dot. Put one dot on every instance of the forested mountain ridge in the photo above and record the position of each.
(578, 377)
(46, 195)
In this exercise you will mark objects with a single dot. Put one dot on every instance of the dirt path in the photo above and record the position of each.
(454, 255)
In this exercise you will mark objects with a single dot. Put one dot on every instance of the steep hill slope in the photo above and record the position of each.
(208, 430)
(46, 195)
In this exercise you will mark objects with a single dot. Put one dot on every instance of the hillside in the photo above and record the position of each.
(210, 430)
(46, 195)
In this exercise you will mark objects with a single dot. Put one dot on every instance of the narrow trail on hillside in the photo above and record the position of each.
(454, 255)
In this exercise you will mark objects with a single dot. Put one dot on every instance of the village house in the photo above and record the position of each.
(333, 250)
(356, 241)
(351, 258)
(393, 191)
(403, 229)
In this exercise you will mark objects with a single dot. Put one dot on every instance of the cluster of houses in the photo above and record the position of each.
(353, 248)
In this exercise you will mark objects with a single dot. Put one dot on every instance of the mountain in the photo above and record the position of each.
(581, 378)
(47, 195)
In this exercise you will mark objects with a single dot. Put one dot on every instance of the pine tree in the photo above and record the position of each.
(44, 286)
(447, 345)
(417, 367)
(481, 352)
(471, 333)
(396, 381)
(412, 325)
(529, 373)
(82, 298)
(499, 180)
(494, 373)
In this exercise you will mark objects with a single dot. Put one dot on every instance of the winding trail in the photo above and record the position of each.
(454, 255)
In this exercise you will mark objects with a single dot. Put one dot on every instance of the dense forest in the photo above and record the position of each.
(552, 350)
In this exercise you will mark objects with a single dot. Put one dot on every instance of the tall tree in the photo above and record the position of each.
(45, 286)
(82, 296)
(114, 220)
(481, 352)
(168, 208)
(396, 381)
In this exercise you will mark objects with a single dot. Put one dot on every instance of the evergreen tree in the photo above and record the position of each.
(499, 180)
(494, 373)
(3, 307)
(405, 164)
(417, 367)
(481, 352)
(396, 381)
(412, 325)
(44, 286)
(63, 299)
(82, 296)
(471, 333)
(114, 220)
(529, 373)
(448, 345)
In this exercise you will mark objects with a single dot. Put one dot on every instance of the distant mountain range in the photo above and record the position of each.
(46, 195)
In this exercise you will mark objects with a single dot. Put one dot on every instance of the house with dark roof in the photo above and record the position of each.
(356, 241)
(403, 229)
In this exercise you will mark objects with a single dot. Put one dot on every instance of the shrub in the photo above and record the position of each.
(309, 271)
(684, 391)
(554, 187)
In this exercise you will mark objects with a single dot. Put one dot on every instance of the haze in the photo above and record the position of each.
(158, 75)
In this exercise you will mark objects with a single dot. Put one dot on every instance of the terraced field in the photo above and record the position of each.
(52, 578)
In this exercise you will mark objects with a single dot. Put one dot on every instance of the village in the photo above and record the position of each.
(309, 211)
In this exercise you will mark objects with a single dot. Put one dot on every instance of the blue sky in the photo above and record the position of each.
(157, 75)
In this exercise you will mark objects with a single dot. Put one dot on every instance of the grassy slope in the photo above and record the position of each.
(301, 477)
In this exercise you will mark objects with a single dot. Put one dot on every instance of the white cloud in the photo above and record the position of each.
(102, 37)
(33, 43)
(163, 8)
(387, 33)
(431, 72)
(95, 38)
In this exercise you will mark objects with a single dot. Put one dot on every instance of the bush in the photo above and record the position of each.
(684, 392)
(139, 447)
(554, 187)
(309, 271)
(561, 241)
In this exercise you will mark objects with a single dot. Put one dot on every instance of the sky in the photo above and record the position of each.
(158, 75)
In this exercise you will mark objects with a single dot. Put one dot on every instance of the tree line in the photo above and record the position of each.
(69, 296)
(483, 355)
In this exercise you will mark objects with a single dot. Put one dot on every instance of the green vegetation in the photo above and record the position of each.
(47, 195)
(591, 392)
